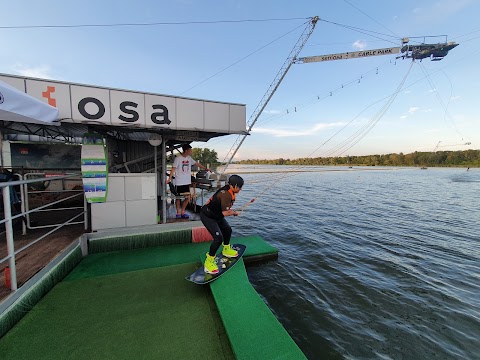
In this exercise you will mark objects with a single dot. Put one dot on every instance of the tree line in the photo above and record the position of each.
(468, 158)
(205, 156)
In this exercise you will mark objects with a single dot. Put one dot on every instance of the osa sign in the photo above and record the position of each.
(116, 107)
(129, 113)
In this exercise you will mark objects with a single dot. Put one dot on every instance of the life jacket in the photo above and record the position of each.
(213, 207)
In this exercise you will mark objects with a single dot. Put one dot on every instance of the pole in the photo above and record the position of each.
(163, 178)
(157, 179)
(1, 149)
(271, 90)
(9, 233)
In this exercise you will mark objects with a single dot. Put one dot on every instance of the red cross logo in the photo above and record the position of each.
(48, 95)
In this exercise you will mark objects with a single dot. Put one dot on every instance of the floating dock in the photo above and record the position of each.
(122, 295)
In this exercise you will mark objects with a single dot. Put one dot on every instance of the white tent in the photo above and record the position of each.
(18, 106)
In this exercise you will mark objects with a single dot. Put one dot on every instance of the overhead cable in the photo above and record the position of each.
(363, 31)
(371, 18)
(147, 23)
(245, 57)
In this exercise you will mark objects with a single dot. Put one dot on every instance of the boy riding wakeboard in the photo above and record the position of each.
(213, 215)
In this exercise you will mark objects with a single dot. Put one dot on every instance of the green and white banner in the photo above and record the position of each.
(94, 168)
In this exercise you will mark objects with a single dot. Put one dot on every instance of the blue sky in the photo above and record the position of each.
(438, 104)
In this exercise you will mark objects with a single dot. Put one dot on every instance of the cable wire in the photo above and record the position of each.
(445, 107)
(364, 31)
(371, 18)
(245, 57)
(147, 24)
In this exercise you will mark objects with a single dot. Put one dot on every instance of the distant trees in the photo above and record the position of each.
(438, 158)
(205, 156)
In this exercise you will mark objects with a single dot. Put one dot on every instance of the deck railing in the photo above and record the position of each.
(8, 220)
(46, 208)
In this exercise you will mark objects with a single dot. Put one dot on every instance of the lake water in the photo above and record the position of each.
(374, 263)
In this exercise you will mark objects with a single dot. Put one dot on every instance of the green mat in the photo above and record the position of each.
(148, 314)
(253, 330)
(123, 261)
(137, 241)
(137, 304)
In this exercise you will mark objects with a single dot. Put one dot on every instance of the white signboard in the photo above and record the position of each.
(95, 105)
(350, 55)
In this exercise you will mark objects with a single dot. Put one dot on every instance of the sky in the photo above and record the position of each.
(212, 52)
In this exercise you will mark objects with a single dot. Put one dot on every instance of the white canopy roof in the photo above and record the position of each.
(18, 106)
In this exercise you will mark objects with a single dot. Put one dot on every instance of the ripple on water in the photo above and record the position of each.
(380, 264)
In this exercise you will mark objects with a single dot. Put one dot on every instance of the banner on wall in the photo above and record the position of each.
(94, 168)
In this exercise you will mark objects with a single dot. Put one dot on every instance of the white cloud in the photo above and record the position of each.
(294, 133)
(360, 45)
(456, 97)
(411, 111)
(42, 71)
(273, 112)
(427, 110)
(407, 91)
(432, 90)
(417, 10)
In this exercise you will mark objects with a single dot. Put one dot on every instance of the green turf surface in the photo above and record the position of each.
(147, 314)
(136, 304)
(253, 330)
(123, 261)
(140, 240)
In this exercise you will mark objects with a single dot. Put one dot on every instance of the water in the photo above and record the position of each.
(374, 263)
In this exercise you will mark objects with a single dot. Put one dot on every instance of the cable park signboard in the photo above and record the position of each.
(104, 106)
(349, 55)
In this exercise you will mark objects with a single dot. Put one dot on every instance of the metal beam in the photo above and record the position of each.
(349, 55)
(271, 90)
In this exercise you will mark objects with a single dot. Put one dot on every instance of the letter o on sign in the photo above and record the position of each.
(83, 103)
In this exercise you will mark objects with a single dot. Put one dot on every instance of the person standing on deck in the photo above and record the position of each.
(213, 215)
(182, 169)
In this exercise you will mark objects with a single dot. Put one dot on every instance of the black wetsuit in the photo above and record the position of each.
(214, 220)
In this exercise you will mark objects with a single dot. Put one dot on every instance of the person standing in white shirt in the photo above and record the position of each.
(182, 170)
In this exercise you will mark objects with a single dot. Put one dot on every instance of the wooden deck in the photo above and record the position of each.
(36, 257)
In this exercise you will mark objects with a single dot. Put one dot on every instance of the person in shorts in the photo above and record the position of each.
(182, 170)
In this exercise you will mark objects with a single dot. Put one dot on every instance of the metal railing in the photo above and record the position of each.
(8, 220)
(45, 208)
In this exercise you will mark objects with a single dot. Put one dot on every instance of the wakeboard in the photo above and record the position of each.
(224, 264)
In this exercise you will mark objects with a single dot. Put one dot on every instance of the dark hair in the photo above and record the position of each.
(235, 180)
(185, 147)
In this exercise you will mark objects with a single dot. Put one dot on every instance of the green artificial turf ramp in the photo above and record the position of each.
(147, 314)
(136, 304)
(137, 259)
(253, 330)
(116, 262)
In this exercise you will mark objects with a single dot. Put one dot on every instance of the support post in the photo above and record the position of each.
(9, 232)
(163, 178)
(157, 179)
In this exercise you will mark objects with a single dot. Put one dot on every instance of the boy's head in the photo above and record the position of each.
(185, 148)
(236, 182)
